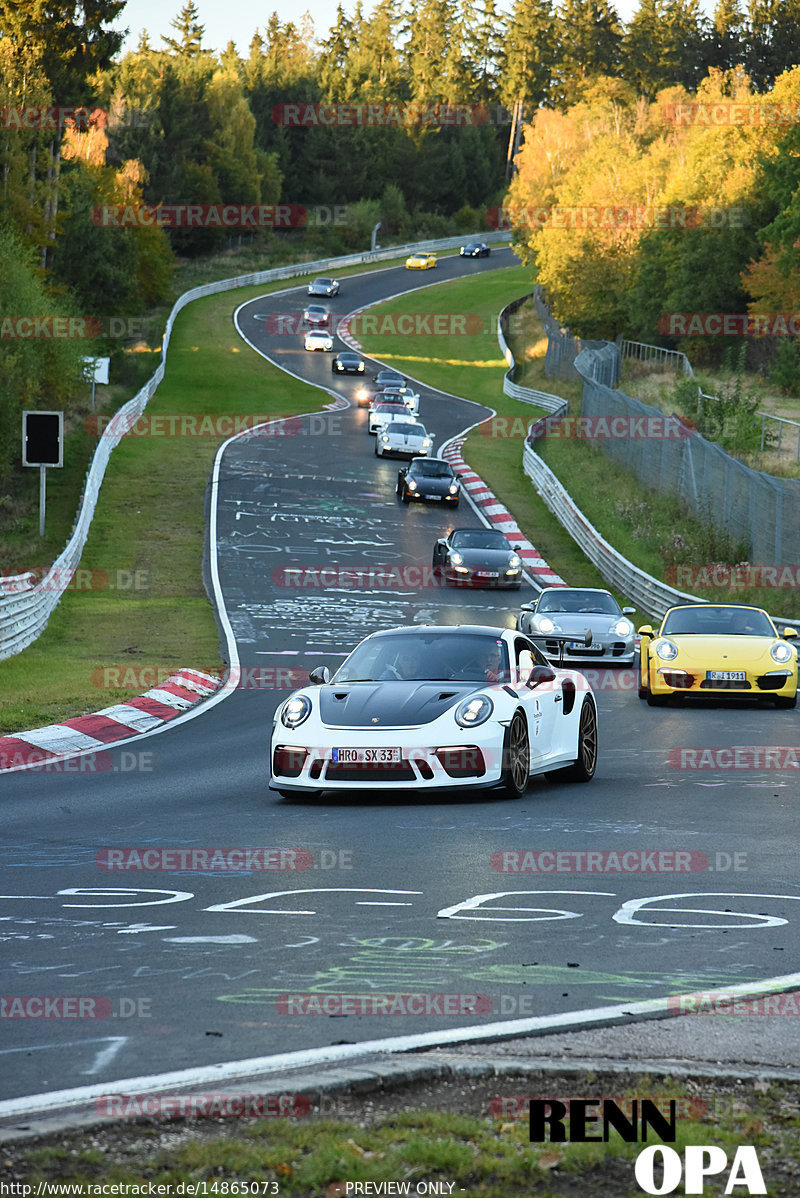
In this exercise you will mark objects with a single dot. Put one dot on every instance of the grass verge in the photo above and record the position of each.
(426, 1149)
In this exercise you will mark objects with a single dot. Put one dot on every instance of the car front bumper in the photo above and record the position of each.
(473, 760)
(472, 578)
(670, 679)
(609, 650)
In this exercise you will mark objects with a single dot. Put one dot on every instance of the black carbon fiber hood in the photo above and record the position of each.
(389, 704)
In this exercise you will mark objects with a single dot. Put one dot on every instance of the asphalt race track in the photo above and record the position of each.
(187, 966)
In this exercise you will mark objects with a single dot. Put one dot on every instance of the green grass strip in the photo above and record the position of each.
(462, 1151)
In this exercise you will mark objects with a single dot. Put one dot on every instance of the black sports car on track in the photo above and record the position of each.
(478, 557)
(429, 479)
(475, 249)
(347, 362)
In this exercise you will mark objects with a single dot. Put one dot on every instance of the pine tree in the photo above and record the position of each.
(665, 44)
(591, 41)
(530, 55)
(189, 43)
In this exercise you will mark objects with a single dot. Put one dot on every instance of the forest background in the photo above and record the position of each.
(656, 167)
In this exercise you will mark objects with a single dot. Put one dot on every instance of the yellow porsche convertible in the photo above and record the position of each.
(718, 649)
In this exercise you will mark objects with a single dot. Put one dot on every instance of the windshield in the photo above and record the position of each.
(406, 430)
(711, 620)
(478, 538)
(481, 658)
(579, 601)
(431, 468)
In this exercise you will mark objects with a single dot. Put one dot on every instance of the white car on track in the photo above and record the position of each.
(409, 397)
(317, 339)
(410, 440)
(382, 414)
(432, 708)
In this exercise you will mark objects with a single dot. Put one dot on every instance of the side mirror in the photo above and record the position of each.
(788, 634)
(646, 630)
(540, 674)
(528, 607)
(628, 611)
(319, 676)
(518, 548)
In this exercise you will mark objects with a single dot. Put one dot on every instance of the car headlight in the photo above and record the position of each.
(360, 368)
(474, 711)
(427, 441)
(384, 437)
(412, 486)
(781, 652)
(456, 559)
(295, 711)
(453, 489)
(515, 561)
(546, 624)
(666, 650)
(622, 628)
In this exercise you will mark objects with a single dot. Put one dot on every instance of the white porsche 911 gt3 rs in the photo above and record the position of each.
(433, 708)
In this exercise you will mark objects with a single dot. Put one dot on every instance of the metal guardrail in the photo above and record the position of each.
(543, 399)
(648, 593)
(26, 605)
(640, 351)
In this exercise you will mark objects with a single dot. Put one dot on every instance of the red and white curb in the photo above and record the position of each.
(499, 517)
(84, 733)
